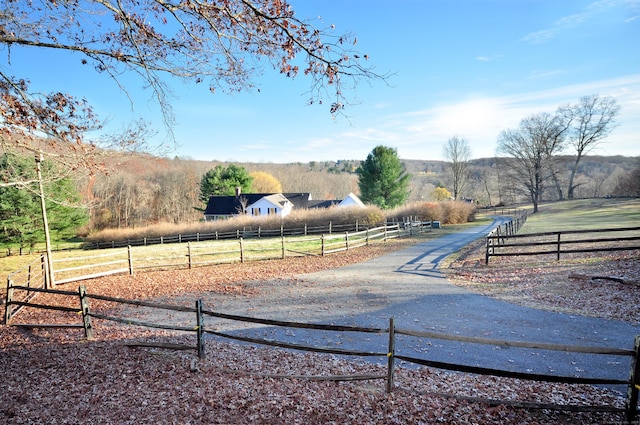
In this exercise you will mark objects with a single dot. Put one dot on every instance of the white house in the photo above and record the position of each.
(276, 204)
(351, 201)
(266, 204)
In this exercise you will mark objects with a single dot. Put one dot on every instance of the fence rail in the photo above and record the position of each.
(244, 233)
(561, 242)
(200, 328)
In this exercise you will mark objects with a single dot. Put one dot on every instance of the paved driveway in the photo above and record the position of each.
(407, 286)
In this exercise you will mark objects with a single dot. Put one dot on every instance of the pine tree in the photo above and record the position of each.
(224, 181)
(20, 209)
(382, 178)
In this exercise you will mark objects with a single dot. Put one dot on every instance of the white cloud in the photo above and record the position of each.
(539, 37)
(545, 74)
(576, 20)
(421, 134)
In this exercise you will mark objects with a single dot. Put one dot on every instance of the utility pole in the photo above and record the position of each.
(47, 237)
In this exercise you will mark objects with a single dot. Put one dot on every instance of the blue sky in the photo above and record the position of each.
(467, 68)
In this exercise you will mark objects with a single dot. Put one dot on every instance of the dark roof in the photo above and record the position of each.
(299, 200)
(229, 205)
(323, 204)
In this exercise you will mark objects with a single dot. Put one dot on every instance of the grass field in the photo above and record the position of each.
(584, 214)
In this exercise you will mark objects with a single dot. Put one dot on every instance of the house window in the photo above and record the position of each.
(272, 211)
(256, 211)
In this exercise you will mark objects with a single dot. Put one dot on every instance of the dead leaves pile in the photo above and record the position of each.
(53, 376)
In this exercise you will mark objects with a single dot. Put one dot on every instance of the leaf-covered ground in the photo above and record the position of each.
(55, 377)
(605, 285)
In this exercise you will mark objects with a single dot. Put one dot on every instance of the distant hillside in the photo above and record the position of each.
(144, 189)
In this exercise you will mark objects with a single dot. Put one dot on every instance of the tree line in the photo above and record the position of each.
(140, 190)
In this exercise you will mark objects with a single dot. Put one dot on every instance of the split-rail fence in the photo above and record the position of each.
(388, 351)
(504, 242)
(70, 268)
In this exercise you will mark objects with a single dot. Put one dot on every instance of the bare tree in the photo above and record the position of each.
(589, 121)
(531, 148)
(217, 44)
(628, 184)
(484, 177)
(458, 153)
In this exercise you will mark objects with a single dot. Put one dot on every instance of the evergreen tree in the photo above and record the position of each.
(224, 181)
(20, 208)
(382, 178)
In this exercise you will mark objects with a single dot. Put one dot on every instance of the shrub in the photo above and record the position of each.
(457, 212)
(447, 212)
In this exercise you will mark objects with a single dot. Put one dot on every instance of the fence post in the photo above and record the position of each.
(241, 250)
(391, 353)
(7, 306)
(130, 258)
(283, 250)
(486, 256)
(322, 239)
(189, 254)
(330, 227)
(631, 405)
(346, 240)
(84, 308)
(558, 253)
(200, 329)
(45, 271)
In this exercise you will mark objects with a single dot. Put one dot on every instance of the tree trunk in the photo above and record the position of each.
(574, 170)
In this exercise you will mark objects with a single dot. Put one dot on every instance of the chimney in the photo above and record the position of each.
(238, 191)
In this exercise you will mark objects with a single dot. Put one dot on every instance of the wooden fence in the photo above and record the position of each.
(188, 255)
(505, 244)
(389, 351)
(32, 276)
(244, 233)
(191, 254)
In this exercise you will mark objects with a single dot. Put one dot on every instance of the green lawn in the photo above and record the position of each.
(584, 214)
